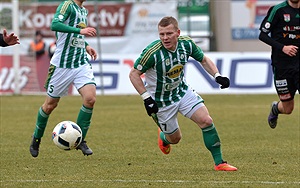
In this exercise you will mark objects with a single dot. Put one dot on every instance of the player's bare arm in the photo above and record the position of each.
(137, 82)
(209, 66)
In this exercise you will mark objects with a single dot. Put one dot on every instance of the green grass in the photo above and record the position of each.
(124, 141)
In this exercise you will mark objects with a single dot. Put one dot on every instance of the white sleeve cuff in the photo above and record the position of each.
(216, 75)
(145, 95)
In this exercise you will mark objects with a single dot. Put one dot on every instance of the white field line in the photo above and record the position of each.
(162, 181)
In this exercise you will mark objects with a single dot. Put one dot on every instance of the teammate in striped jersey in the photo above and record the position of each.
(166, 92)
(69, 65)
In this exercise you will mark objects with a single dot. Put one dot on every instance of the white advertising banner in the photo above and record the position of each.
(249, 73)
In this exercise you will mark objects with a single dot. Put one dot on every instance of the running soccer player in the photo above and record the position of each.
(283, 24)
(166, 92)
(69, 65)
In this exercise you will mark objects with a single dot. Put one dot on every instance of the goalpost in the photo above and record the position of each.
(16, 55)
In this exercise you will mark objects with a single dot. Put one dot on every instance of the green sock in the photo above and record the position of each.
(41, 122)
(212, 143)
(84, 119)
(163, 138)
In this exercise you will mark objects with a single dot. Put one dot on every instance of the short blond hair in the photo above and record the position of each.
(168, 20)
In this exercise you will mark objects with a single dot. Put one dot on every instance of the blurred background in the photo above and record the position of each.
(226, 30)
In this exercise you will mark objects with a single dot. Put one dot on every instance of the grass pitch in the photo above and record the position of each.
(124, 141)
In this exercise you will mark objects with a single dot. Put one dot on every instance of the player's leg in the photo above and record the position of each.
(211, 138)
(41, 123)
(88, 93)
(286, 84)
(286, 107)
(55, 90)
(168, 132)
(192, 106)
(87, 90)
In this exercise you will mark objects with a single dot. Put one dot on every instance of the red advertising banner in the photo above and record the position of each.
(32, 74)
(111, 19)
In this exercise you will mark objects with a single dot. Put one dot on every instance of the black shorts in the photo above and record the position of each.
(286, 83)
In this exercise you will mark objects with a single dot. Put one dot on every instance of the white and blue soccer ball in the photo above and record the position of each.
(67, 135)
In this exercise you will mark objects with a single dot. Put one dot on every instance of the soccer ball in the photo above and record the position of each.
(67, 135)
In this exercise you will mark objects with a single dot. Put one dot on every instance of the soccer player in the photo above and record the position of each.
(282, 22)
(166, 92)
(69, 65)
(8, 40)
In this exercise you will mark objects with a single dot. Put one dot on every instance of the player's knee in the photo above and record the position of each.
(49, 107)
(89, 102)
(205, 122)
(175, 140)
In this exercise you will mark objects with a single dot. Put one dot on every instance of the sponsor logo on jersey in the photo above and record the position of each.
(291, 28)
(77, 42)
(81, 25)
(175, 71)
(171, 86)
(291, 36)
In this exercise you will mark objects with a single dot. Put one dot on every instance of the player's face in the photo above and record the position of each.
(169, 36)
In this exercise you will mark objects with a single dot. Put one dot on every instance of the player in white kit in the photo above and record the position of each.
(69, 65)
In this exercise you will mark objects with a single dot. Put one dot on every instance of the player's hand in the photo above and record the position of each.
(290, 50)
(89, 31)
(91, 52)
(10, 39)
(223, 81)
(150, 106)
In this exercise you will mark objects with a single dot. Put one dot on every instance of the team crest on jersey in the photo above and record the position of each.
(175, 71)
(81, 25)
(286, 17)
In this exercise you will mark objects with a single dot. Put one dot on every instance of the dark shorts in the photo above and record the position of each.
(286, 82)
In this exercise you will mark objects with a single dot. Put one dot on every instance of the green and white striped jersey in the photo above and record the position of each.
(70, 45)
(164, 70)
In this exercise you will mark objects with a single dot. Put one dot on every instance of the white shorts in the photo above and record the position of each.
(60, 79)
(167, 116)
